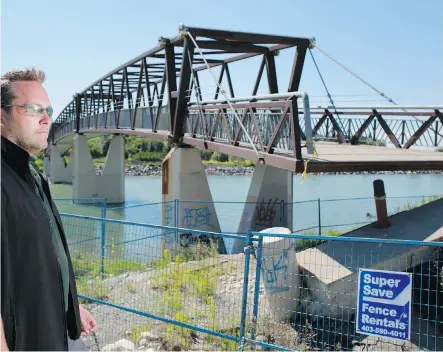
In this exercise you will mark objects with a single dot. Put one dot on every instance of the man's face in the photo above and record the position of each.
(21, 127)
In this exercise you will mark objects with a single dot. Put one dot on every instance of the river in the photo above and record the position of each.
(335, 214)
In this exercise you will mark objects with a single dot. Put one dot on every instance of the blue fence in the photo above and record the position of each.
(316, 216)
(284, 292)
(83, 206)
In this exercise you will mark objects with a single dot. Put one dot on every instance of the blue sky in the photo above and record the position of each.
(396, 45)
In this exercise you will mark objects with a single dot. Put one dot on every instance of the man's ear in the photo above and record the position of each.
(3, 117)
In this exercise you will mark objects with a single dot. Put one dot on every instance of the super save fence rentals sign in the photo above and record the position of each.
(384, 303)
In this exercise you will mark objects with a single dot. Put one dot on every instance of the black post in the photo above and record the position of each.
(380, 204)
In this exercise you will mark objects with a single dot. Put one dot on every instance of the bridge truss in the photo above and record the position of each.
(158, 95)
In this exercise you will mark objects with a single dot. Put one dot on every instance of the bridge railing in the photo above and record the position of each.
(263, 121)
(268, 296)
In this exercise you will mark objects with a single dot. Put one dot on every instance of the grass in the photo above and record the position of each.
(173, 277)
(136, 332)
(178, 282)
(88, 266)
(410, 206)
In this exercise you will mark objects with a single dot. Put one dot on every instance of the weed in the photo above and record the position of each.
(409, 206)
(130, 287)
(137, 331)
(93, 288)
(183, 335)
(87, 266)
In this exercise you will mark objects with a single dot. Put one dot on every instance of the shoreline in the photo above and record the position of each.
(221, 170)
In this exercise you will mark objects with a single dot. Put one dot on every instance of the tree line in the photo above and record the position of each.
(151, 150)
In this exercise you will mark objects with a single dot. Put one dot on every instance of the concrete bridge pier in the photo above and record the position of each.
(60, 172)
(86, 183)
(47, 166)
(269, 202)
(184, 178)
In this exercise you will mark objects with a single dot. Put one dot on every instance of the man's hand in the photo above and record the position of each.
(3, 344)
(88, 322)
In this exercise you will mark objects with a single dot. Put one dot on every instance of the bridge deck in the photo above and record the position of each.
(332, 157)
(346, 157)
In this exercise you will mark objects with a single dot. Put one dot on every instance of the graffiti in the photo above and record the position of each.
(170, 239)
(245, 221)
(278, 267)
(197, 217)
(265, 213)
(169, 214)
(188, 239)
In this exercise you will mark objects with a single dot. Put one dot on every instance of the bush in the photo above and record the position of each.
(146, 156)
(220, 157)
(206, 154)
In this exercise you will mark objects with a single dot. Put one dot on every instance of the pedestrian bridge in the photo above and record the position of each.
(159, 94)
(183, 91)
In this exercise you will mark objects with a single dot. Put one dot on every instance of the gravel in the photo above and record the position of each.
(147, 170)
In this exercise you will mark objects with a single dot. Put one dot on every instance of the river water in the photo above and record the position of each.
(337, 210)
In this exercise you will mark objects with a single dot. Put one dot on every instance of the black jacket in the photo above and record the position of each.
(32, 301)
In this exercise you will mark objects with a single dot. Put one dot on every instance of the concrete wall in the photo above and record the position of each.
(60, 171)
(184, 178)
(87, 184)
(266, 207)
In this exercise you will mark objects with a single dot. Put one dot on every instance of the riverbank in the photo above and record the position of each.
(221, 170)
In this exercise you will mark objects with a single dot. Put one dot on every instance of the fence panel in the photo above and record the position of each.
(284, 292)
(147, 213)
(309, 289)
(125, 277)
(82, 206)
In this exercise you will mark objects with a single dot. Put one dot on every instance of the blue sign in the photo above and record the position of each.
(384, 303)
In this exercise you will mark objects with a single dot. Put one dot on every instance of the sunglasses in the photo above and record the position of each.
(34, 109)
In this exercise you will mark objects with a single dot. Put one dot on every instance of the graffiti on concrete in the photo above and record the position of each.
(277, 267)
(265, 212)
(170, 236)
(197, 217)
(169, 214)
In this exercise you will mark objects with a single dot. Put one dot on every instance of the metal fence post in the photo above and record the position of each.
(259, 253)
(319, 216)
(176, 218)
(103, 241)
(245, 289)
(282, 214)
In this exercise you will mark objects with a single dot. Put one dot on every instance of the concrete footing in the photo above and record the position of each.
(269, 202)
(87, 184)
(329, 271)
(184, 177)
(280, 274)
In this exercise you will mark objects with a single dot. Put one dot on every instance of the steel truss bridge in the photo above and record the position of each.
(158, 95)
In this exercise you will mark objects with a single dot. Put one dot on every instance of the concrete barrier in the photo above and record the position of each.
(280, 274)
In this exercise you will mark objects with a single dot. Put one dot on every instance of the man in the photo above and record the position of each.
(39, 306)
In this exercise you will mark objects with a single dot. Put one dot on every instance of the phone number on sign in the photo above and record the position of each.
(383, 331)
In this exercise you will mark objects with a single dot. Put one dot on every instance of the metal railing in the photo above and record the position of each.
(285, 292)
(420, 126)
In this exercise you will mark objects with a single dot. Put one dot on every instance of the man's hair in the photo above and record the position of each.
(9, 78)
